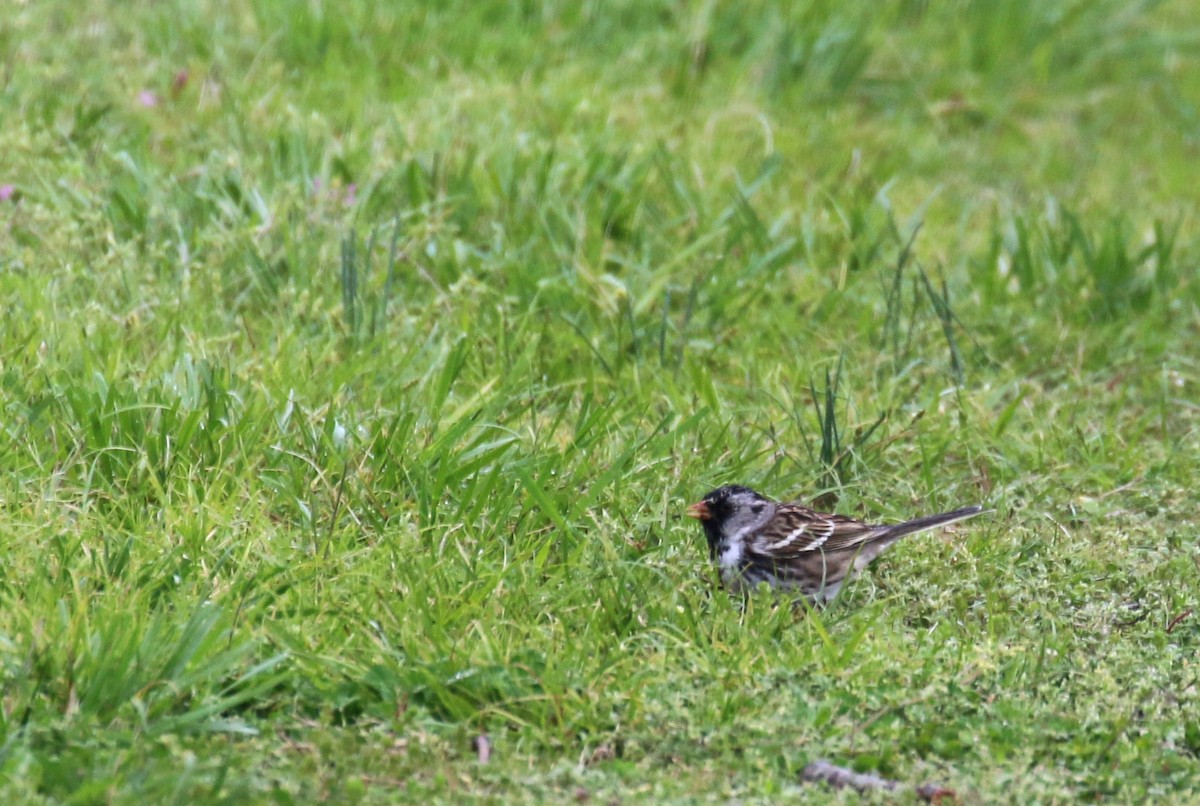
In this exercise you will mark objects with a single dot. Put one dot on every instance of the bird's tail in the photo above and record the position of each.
(890, 534)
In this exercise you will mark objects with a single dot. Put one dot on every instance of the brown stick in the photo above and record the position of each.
(840, 778)
(1175, 621)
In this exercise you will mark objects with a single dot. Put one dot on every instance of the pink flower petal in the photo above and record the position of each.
(147, 98)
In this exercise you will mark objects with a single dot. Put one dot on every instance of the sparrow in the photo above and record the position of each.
(792, 548)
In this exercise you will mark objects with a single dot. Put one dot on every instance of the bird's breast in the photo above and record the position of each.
(730, 554)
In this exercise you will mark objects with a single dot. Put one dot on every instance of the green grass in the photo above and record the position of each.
(353, 382)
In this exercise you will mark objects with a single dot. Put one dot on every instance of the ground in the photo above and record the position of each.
(358, 362)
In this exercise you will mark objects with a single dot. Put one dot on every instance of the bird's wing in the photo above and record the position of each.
(797, 529)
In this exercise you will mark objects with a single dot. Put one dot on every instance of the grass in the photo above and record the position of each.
(357, 363)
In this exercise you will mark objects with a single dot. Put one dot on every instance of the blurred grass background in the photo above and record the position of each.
(358, 360)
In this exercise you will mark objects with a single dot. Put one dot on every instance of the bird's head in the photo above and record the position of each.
(727, 510)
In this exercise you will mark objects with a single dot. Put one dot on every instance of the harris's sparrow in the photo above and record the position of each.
(792, 548)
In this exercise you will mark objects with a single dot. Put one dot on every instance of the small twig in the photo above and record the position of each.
(482, 747)
(882, 712)
(1050, 518)
(841, 778)
(1132, 483)
(1175, 621)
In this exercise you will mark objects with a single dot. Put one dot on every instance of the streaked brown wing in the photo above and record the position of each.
(797, 529)
(849, 534)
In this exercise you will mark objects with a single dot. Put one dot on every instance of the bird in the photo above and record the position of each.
(794, 549)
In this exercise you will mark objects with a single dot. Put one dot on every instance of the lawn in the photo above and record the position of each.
(358, 361)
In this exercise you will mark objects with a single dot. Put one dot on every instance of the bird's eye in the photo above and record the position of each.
(757, 508)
